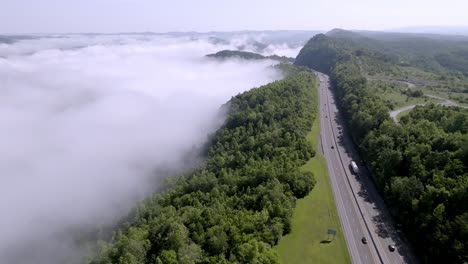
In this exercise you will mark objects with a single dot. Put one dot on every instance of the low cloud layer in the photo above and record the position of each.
(86, 123)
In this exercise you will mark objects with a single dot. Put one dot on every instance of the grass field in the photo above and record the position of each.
(313, 215)
(402, 100)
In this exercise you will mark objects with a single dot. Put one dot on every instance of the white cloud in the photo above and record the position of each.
(85, 122)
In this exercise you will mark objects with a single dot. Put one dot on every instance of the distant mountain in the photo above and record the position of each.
(431, 52)
(226, 54)
(320, 53)
(6, 40)
(9, 39)
(245, 40)
(390, 36)
(444, 30)
(338, 32)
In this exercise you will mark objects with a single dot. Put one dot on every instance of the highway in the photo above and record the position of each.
(361, 209)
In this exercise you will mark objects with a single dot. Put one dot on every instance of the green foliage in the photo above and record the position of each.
(433, 53)
(225, 54)
(320, 53)
(421, 165)
(438, 64)
(289, 69)
(457, 60)
(413, 93)
(239, 203)
(302, 245)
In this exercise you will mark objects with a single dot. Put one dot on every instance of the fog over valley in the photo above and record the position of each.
(88, 124)
(268, 132)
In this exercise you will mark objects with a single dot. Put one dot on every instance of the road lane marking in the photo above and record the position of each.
(350, 189)
(354, 252)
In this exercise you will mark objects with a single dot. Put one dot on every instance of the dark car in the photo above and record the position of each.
(364, 240)
(391, 248)
(332, 147)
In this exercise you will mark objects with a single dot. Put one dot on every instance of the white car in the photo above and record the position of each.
(354, 167)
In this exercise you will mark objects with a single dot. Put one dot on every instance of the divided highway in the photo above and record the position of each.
(361, 209)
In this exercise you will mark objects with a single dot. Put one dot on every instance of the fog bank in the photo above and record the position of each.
(86, 123)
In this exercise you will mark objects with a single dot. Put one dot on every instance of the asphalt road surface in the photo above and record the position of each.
(395, 113)
(444, 102)
(361, 209)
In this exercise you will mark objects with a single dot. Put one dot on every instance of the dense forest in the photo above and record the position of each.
(421, 164)
(239, 203)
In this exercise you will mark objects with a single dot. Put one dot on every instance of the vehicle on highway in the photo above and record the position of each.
(354, 167)
(364, 240)
(332, 147)
(391, 248)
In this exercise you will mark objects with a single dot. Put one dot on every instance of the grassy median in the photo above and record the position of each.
(308, 241)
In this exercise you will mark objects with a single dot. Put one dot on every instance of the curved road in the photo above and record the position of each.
(395, 113)
(445, 102)
(362, 211)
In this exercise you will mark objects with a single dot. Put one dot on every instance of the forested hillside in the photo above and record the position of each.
(421, 166)
(436, 64)
(227, 54)
(239, 203)
(429, 52)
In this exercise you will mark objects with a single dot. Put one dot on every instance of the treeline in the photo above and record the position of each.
(239, 203)
(457, 60)
(413, 93)
(227, 54)
(421, 166)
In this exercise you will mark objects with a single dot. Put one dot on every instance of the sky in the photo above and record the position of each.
(110, 16)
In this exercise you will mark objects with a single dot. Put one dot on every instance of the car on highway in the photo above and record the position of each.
(391, 248)
(332, 147)
(364, 240)
(354, 167)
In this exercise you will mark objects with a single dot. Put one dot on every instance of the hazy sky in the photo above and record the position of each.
(42, 16)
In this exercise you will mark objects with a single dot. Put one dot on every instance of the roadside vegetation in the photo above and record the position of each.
(420, 166)
(240, 203)
(308, 241)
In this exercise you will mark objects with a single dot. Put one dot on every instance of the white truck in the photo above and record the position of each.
(354, 167)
